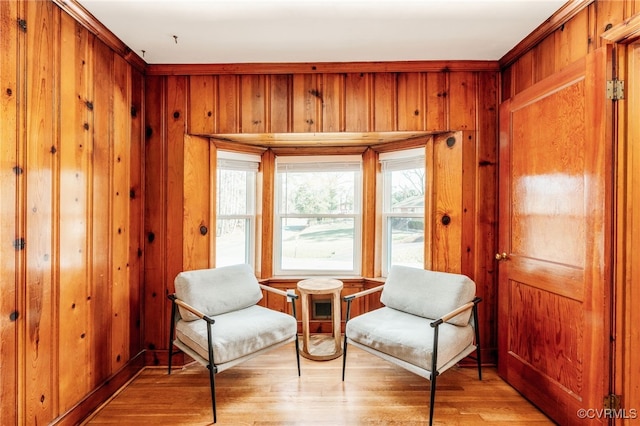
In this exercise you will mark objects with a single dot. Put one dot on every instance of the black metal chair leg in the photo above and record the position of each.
(212, 382)
(171, 329)
(433, 397)
(477, 330)
(298, 355)
(344, 356)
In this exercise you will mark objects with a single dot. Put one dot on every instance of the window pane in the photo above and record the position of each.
(233, 186)
(317, 193)
(407, 191)
(407, 241)
(232, 242)
(322, 243)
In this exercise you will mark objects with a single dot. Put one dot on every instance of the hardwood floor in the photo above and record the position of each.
(267, 391)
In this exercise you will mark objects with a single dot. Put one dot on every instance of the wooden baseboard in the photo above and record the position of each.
(102, 393)
(157, 358)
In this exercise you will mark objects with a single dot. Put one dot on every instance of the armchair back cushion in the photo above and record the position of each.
(217, 291)
(428, 294)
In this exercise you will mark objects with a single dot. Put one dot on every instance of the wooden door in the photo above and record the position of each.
(555, 194)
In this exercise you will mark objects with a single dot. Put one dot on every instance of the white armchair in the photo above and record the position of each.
(216, 319)
(428, 324)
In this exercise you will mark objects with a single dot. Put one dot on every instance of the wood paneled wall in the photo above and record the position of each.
(187, 106)
(567, 41)
(71, 173)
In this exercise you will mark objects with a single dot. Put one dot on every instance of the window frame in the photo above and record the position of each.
(229, 160)
(405, 159)
(318, 163)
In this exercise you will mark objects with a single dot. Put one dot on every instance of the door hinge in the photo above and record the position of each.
(611, 402)
(615, 89)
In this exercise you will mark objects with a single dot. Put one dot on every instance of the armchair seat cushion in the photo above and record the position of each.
(238, 333)
(408, 337)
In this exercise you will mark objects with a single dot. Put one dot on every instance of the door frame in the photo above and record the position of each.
(624, 40)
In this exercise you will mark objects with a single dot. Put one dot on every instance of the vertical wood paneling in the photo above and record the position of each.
(120, 172)
(228, 114)
(411, 101)
(58, 167)
(101, 257)
(384, 102)
(41, 334)
(544, 64)
(573, 39)
(429, 202)
(175, 122)
(523, 71)
(371, 218)
(136, 209)
(265, 214)
(333, 102)
(468, 211)
(506, 78)
(197, 202)
(447, 202)
(436, 93)
(74, 153)
(307, 107)
(10, 316)
(202, 106)
(155, 215)
(253, 98)
(357, 102)
(463, 100)
(279, 103)
(486, 197)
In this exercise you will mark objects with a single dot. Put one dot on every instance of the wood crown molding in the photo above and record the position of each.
(87, 20)
(321, 67)
(562, 15)
(625, 32)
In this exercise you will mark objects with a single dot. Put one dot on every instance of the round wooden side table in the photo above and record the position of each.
(321, 347)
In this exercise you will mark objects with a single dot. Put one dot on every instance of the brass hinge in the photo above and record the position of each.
(615, 89)
(611, 402)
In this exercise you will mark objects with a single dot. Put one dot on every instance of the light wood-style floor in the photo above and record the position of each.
(267, 391)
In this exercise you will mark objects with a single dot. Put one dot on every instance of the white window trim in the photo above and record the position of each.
(390, 162)
(228, 160)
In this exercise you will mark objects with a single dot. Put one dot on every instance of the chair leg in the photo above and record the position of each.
(298, 355)
(344, 356)
(477, 331)
(171, 331)
(432, 397)
(212, 383)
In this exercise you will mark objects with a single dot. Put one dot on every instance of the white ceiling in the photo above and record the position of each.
(276, 31)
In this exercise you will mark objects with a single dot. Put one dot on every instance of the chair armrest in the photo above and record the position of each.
(455, 312)
(278, 291)
(350, 297)
(190, 308)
